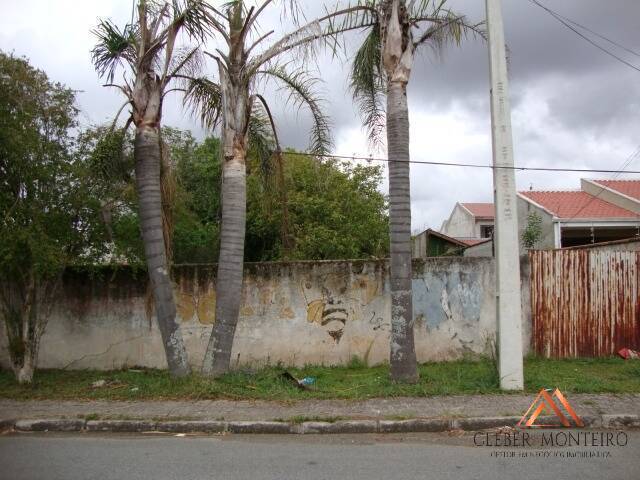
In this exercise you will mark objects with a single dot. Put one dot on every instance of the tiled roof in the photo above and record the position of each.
(576, 204)
(630, 188)
(481, 210)
(441, 235)
(472, 241)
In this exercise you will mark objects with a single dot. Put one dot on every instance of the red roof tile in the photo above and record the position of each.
(473, 241)
(577, 204)
(630, 188)
(484, 210)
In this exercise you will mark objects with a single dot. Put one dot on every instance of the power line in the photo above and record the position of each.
(613, 42)
(568, 23)
(627, 49)
(469, 165)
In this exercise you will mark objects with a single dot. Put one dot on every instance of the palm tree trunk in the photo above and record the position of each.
(217, 359)
(24, 372)
(147, 155)
(402, 353)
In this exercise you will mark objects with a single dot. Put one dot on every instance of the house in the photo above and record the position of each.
(600, 211)
(470, 222)
(435, 244)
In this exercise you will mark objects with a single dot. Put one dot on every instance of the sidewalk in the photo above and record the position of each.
(443, 413)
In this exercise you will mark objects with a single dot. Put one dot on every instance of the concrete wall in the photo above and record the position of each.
(419, 245)
(295, 313)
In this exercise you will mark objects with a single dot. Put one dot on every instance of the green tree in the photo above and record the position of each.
(336, 210)
(44, 223)
(197, 222)
(153, 61)
(382, 70)
(105, 156)
(532, 231)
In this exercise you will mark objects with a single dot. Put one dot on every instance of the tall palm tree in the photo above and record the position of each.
(152, 61)
(382, 69)
(246, 58)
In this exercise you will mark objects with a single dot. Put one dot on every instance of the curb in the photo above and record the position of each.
(263, 427)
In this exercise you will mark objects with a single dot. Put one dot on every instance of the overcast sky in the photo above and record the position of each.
(572, 105)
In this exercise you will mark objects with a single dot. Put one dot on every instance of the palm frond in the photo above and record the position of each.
(304, 42)
(300, 87)
(293, 10)
(194, 17)
(444, 27)
(187, 62)
(114, 47)
(261, 140)
(367, 85)
(204, 98)
(421, 8)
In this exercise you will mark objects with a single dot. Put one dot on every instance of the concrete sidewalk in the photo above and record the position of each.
(438, 407)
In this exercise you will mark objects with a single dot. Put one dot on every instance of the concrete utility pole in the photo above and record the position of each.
(508, 308)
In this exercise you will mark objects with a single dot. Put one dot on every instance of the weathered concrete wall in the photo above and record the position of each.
(419, 245)
(294, 313)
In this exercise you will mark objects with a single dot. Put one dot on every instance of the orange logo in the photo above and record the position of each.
(546, 403)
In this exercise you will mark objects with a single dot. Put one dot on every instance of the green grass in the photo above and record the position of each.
(356, 381)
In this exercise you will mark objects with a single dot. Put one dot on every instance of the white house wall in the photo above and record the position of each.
(461, 224)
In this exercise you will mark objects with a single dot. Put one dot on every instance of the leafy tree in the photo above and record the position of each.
(106, 159)
(197, 223)
(336, 210)
(532, 231)
(154, 61)
(44, 222)
(382, 70)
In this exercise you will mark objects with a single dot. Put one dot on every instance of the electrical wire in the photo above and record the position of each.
(568, 23)
(567, 19)
(468, 165)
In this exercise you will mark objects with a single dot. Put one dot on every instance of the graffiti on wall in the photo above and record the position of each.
(333, 308)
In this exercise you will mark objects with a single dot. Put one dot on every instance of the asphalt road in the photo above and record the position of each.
(398, 457)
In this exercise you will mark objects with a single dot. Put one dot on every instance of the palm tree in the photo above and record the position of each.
(246, 58)
(382, 69)
(147, 49)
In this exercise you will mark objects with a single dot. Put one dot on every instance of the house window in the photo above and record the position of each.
(486, 231)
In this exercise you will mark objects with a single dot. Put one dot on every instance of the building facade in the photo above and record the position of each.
(600, 211)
